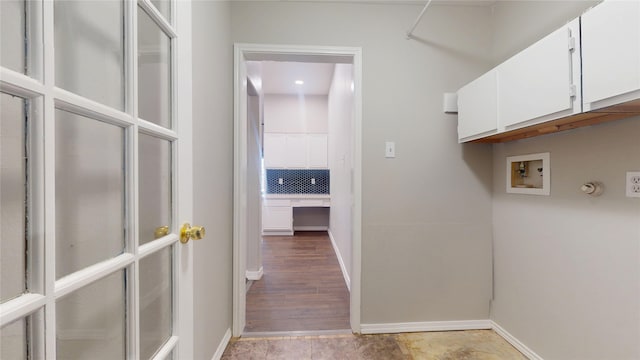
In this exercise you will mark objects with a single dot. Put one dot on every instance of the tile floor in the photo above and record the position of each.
(450, 345)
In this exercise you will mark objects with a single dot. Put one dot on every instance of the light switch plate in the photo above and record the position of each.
(390, 149)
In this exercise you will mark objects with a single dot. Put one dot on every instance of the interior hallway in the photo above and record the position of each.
(302, 288)
(450, 345)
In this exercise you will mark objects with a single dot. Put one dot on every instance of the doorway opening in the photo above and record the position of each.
(297, 208)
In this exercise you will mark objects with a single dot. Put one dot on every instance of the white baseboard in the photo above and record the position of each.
(310, 228)
(393, 328)
(515, 342)
(254, 275)
(345, 274)
(223, 345)
(277, 233)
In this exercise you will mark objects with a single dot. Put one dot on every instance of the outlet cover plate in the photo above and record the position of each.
(633, 184)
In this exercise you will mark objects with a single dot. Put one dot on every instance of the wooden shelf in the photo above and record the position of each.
(616, 112)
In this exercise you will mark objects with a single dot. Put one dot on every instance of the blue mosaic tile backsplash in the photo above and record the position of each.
(297, 181)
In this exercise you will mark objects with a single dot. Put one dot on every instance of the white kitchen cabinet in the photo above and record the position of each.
(275, 150)
(542, 82)
(611, 54)
(478, 107)
(296, 156)
(277, 210)
(317, 151)
(277, 219)
(295, 151)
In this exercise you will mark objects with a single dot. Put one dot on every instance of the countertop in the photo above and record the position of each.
(296, 196)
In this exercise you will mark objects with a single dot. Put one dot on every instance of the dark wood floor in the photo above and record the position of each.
(302, 288)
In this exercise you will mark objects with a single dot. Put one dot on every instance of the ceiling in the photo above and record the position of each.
(279, 77)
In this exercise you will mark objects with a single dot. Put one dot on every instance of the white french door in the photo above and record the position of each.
(95, 182)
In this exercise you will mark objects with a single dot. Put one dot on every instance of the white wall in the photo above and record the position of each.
(213, 173)
(518, 24)
(341, 123)
(567, 266)
(295, 114)
(426, 213)
(254, 172)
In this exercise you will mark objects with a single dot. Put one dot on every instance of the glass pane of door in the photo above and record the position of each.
(13, 196)
(154, 186)
(90, 192)
(13, 342)
(89, 44)
(13, 35)
(156, 303)
(17, 339)
(91, 322)
(154, 72)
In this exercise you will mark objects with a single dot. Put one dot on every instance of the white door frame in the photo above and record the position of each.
(183, 299)
(241, 54)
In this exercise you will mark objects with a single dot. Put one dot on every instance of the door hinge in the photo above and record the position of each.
(572, 91)
(572, 43)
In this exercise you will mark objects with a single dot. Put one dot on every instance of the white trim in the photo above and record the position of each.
(181, 52)
(49, 171)
(277, 233)
(271, 334)
(345, 274)
(156, 245)
(158, 18)
(19, 307)
(515, 342)
(150, 128)
(310, 228)
(223, 345)
(166, 349)
(91, 274)
(394, 328)
(262, 51)
(20, 84)
(68, 101)
(546, 172)
(255, 275)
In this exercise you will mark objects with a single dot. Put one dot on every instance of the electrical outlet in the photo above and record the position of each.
(633, 184)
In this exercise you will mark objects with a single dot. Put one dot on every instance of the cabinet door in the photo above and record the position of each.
(277, 218)
(317, 151)
(275, 151)
(296, 153)
(610, 51)
(478, 107)
(540, 83)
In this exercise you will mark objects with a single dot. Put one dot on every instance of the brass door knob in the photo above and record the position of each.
(188, 232)
(161, 231)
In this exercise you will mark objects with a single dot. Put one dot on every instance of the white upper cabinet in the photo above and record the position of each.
(317, 151)
(611, 54)
(542, 82)
(478, 107)
(295, 151)
(296, 156)
(275, 151)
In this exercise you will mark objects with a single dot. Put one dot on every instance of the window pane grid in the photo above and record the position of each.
(81, 103)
